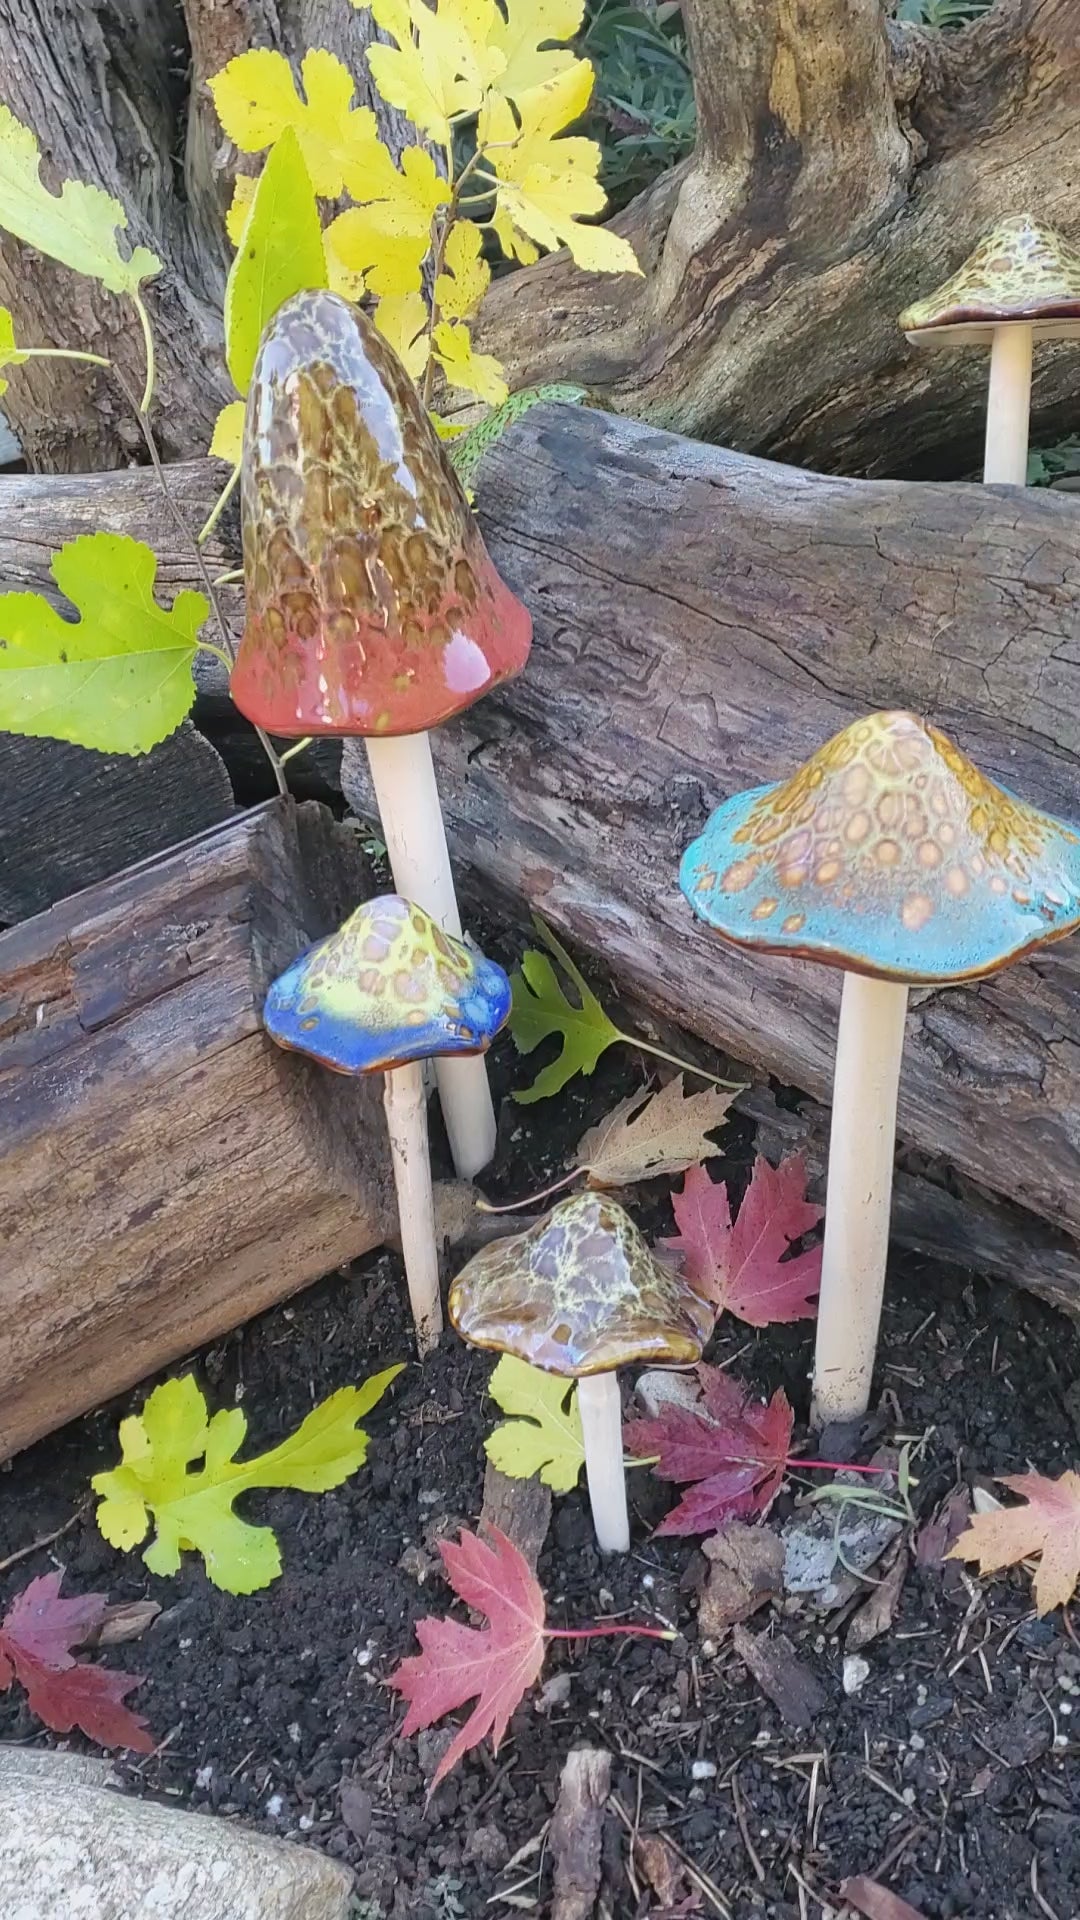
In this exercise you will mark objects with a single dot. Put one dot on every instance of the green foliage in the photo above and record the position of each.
(544, 1434)
(540, 1007)
(78, 226)
(179, 1466)
(1047, 464)
(945, 14)
(643, 113)
(118, 678)
(280, 253)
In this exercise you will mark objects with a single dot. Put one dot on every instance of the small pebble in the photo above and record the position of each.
(275, 1807)
(856, 1672)
(703, 1770)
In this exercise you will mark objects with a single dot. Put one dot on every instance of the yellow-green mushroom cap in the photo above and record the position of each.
(387, 988)
(1022, 272)
(887, 854)
(579, 1293)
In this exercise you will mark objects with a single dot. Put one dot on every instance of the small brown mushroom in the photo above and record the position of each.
(581, 1294)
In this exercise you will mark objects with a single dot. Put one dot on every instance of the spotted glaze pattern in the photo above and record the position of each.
(1021, 271)
(580, 1292)
(387, 988)
(372, 605)
(889, 854)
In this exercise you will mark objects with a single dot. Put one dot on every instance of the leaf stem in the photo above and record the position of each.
(59, 353)
(834, 1466)
(439, 262)
(297, 747)
(218, 507)
(686, 1066)
(519, 1206)
(148, 338)
(227, 650)
(608, 1633)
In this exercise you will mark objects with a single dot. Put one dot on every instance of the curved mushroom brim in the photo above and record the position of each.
(887, 854)
(372, 604)
(388, 988)
(1021, 273)
(580, 1293)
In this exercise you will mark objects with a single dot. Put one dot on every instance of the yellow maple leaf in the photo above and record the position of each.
(240, 205)
(547, 185)
(10, 355)
(544, 1435)
(462, 284)
(402, 319)
(443, 62)
(256, 99)
(476, 373)
(228, 433)
(516, 246)
(520, 39)
(387, 240)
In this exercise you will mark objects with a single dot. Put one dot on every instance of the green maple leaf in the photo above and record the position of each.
(77, 226)
(545, 1435)
(540, 1007)
(280, 253)
(192, 1506)
(117, 679)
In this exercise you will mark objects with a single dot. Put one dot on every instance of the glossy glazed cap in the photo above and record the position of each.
(387, 988)
(1021, 272)
(887, 854)
(372, 606)
(579, 1293)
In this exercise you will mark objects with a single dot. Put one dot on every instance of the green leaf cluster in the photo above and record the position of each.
(179, 1466)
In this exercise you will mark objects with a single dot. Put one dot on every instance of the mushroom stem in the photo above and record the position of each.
(408, 798)
(406, 1123)
(1008, 406)
(862, 1144)
(600, 1407)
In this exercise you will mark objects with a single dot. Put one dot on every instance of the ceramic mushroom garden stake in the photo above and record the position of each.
(372, 607)
(890, 856)
(581, 1294)
(385, 992)
(1021, 284)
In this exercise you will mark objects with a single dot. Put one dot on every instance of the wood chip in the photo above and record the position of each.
(877, 1613)
(794, 1691)
(128, 1620)
(656, 1859)
(577, 1829)
(870, 1898)
(519, 1508)
(746, 1571)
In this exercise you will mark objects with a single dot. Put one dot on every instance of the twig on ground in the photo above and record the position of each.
(46, 1539)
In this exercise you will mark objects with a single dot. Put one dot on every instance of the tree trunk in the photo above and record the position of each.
(117, 96)
(845, 165)
(702, 621)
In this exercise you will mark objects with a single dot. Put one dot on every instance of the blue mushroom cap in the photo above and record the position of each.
(887, 854)
(389, 987)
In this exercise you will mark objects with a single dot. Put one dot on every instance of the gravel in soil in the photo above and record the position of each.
(953, 1773)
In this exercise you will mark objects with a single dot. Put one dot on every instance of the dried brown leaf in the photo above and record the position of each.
(878, 1611)
(747, 1569)
(871, 1899)
(653, 1134)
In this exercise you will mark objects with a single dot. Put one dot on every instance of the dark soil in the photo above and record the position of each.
(953, 1774)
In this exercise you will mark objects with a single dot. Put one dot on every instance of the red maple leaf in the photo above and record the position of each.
(493, 1665)
(741, 1267)
(732, 1453)
(36, 1640)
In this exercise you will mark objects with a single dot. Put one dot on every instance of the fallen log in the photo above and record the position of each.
(703, 621)
(165, 1171)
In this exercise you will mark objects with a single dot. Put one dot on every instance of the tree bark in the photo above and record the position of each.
(845, 165)
(117, 96)
(702, 621)
(165, 1170)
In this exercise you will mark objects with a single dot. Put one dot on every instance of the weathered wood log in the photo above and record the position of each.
(69, 817)
(703, 622)
(702, 619)
(165, 1171)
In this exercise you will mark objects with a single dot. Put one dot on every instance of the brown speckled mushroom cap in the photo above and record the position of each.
(580, 1293)
(1021, 272)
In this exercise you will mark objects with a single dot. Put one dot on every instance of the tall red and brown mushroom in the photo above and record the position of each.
(373, 608)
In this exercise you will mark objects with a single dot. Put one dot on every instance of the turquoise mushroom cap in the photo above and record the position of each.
(389, 987)
(887, 854)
